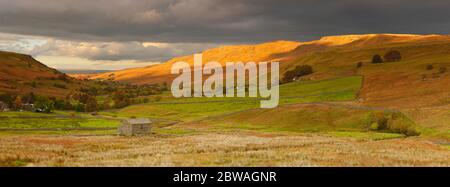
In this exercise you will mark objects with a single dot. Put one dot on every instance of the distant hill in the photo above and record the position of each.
(403, 84)
(161, 73)
(83, 71)
(21, 74)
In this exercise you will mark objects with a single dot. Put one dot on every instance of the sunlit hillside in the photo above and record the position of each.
(22, 74)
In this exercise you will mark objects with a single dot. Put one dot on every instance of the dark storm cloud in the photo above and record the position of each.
(219, 20)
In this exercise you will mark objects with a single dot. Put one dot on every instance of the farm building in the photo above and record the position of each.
(131, 127)
(3, 107)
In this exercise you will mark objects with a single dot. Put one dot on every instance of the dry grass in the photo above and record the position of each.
(218, 149)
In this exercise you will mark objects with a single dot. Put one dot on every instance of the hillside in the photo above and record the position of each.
(161, 73)
(401, 84)
(22, 74)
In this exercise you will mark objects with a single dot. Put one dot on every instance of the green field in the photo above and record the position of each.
(29, 120)
(317, 117)
(189, 109)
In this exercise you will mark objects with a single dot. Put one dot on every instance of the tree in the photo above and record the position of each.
(392, 56)
(7, 98)
(376, 59)
(299, 71)
(91, 105)
(442, 70)
(29, 98)
(61, 104)
(44, 104)
(83, 98)
(18, 103)
(121, 99)
(359, 64)
(80, 107)
(34, 84)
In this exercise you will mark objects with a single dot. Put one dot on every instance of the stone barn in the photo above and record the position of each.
(132, 127)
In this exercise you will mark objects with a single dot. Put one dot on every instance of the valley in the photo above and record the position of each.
(348, 111)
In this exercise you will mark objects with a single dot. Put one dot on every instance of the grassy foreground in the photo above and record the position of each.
(313, 126)
(218, 149)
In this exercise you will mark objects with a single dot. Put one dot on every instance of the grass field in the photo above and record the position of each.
(218, 149)
(189, 109)
(30, 120)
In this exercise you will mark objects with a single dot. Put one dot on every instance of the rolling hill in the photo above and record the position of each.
(20, 74)
(403, 84)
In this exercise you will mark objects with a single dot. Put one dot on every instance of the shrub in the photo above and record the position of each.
(80, 107)
(442, 70)
(430, 67)
(62, 86)
(61, 104)
(374, 126)
(44, 104)
(34, 84)
(393, 122)
(359, 64)
(399, 123)
(299, 71)
(7, 98)
(376, 59)
(158, 98)
(392, 56)
(91, 105)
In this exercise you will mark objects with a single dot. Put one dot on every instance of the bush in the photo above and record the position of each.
(442, 70)
(374, 126)
(80, 107)
(392, 56)
(299, 71)
(376, 59)
(158, 98)
(33, 84)
(399, 123)
(430, 67)
(44, 104)
(393, 122)
(91, 105)
(62, 86)
(359, 64)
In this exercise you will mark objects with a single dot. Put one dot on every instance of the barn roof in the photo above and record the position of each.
(139, 121)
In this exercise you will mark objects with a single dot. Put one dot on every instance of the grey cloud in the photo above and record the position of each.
(217, 21)
(117, 51)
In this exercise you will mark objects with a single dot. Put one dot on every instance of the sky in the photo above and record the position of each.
(117, 34)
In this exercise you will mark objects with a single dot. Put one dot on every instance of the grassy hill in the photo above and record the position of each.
(402, 84)
(191, 109)
(161, 73)
(21, 74)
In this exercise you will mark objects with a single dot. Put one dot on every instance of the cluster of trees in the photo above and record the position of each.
(81, 102)
(113, 94)
(32, 102)
(390, 56)
(109, 87)
(86, 99)
(298, 71)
